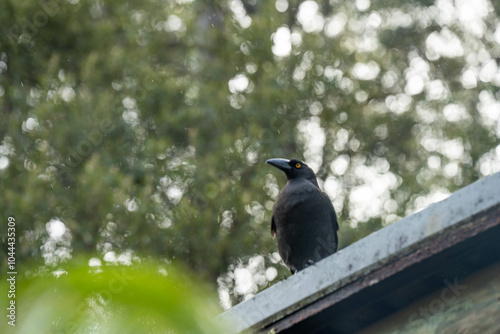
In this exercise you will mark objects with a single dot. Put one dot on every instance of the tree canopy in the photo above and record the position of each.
(142, 127)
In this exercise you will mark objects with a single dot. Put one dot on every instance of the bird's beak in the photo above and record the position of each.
(280, 164)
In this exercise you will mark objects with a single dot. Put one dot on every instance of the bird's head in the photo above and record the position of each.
(294, 169)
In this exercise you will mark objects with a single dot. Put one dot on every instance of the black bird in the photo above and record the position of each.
(304, 219)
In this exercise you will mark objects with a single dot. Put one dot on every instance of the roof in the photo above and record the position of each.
(385, 271)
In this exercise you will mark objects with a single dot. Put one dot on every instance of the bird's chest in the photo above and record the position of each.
(296, 204)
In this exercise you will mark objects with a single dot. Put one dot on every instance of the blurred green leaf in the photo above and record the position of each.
(146, 298)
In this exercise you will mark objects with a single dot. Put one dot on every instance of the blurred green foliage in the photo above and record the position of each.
(143, 298)
(143, 126)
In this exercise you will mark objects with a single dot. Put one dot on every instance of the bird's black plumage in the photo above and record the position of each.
(304, 220)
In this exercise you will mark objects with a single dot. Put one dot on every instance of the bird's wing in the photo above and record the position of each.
(333, 215)
(273, 227)
(335, 222)
(333, 219)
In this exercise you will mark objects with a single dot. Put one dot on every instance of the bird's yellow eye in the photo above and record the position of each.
(297, 165)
